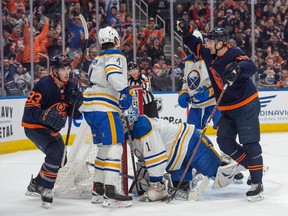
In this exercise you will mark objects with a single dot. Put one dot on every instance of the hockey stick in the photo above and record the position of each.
(171, 197)
(193, 195)
(73, 108)
(132, 154)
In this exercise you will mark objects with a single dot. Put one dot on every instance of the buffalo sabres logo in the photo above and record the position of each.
(193, 79)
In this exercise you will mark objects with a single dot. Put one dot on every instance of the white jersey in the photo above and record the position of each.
(163, 145)
(107, 76)
(195, 76)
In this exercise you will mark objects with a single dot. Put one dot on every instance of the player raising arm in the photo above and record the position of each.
(240, 104)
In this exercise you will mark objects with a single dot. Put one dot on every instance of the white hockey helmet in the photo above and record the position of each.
(197, 34)
(108, 35)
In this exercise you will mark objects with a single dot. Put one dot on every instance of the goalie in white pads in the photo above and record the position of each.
(167, 147)
(101, 108)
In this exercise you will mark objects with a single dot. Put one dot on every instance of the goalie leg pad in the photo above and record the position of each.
(225, 175)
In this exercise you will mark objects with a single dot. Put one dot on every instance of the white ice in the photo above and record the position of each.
(16, 169)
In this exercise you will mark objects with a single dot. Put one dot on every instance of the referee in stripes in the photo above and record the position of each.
(136, 78)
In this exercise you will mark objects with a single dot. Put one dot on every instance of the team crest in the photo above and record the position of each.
(193, 79)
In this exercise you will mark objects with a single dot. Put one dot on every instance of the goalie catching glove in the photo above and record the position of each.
(231, 73)
(156, 191)
(126, 98)
(51, 118)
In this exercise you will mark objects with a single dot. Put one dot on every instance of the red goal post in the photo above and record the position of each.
(138, 102)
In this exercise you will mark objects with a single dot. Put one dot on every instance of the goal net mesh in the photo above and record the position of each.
(75, 179)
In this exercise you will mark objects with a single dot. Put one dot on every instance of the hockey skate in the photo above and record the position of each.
(265, 170)
(115, 200)
(97, 193)
(255, 193)
(46, 197)
(33, 189)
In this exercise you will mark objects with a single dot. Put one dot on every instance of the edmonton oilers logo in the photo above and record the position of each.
(193, 79)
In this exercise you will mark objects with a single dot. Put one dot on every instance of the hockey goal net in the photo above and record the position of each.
(75, 179)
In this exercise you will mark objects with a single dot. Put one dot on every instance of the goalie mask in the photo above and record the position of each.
(132, 114)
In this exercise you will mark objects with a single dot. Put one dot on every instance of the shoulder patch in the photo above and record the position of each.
(142, 127)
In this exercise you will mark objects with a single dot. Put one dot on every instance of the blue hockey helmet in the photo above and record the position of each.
(133, 114)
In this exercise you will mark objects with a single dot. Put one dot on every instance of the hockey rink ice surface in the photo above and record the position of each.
(16, 169)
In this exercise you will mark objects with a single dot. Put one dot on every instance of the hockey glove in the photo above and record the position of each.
(231, 73)
(126, 98)
(51, 118)
(203, 93)
(156, 191)
(76, 97)
(183, 99)
(183, 29)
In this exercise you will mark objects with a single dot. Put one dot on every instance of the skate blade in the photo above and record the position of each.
(256, 198)
(32, 194)
(97, 199)
(45, 205)
(108, 203)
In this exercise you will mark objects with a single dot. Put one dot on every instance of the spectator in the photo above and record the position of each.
(36, 49)
(9, 71)
(145, 67)
(41, 73)
(76, 29)
(283, 82)
(111, 17)
(22, 79)
(92, 53)
(156, 49)
(269, 75)
(160, 69)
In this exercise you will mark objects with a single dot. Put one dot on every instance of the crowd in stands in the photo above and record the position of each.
(271, 37)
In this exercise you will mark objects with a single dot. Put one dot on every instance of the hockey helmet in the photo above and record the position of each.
(132, 114)
(108, 35)
(219, 34)
(60, 61)
(132, 65)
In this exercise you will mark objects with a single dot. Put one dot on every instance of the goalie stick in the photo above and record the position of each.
(132, 154)
(171, 197)
(192, 195)
(86, 33)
